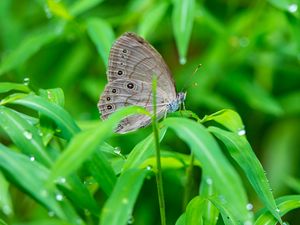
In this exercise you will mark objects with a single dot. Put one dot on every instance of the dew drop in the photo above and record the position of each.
(209, 181)
(32, 158)
(48, 12)
(117, 150)
(247, 222)
(87, 212)
(61, 180)
(182, 60)
(293, 8)
(51, 213)
(26, 81)
(242, 132)
(222, 199)
(6, 210)
(27, 135)
(249, 206)
(59, 197)
(130, 220)
(277, 210)
(149, 168)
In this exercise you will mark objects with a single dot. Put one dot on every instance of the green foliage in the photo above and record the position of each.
(59, 164)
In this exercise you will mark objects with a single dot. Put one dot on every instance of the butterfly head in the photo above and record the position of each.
(174, 105)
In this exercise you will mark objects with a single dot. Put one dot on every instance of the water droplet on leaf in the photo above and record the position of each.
(27, 135)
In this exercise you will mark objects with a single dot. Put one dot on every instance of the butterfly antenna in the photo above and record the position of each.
(188, 81)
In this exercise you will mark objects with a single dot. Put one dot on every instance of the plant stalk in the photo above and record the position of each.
(159, 181)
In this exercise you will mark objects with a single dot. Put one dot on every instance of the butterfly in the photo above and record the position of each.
(131, 66)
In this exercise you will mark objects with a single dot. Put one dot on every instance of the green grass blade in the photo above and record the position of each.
(82, 6)
(7, 86)
(102, 171)
(78, 193)
(119, 207)
(227, 118)
(182, 20)
(285, 205)
(194, 211)
(181, 220)
(55, 95)
(31, 45)
(102, 36)
(25, 136)
(62, 118)
(84, 144)
(5, 199)
(152, 18)
(225, 179)
(242, 153)
(209, 212)
(142, 151)
(31, 176)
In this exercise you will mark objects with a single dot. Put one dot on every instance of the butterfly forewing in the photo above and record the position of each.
(132, 64)
(134, 58)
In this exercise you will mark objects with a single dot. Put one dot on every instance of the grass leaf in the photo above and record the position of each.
(226, 181)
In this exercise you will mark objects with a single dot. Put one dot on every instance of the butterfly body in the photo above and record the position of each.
(132, 64)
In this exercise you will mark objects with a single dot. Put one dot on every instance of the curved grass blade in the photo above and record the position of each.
(102, 171)
(82, 6)
(84, 144)
(285, 205)
(7, 86)
(32, 44)
(31, 176)
(152, 18)
(62, 118)
(182, 20)
(225, 179)
(25, 136)
(227, 118)
(209, 212)
(102, 35)
(142, 151)
(118, 208)
(242, 153)
(5, 199)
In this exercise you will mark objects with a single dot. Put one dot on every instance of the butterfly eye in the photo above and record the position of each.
(108, 98)
(130, 85)
(120, 72)
(124, 51)
(109, 107)
(114, 90)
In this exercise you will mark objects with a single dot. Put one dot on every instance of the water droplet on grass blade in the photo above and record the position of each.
(130, 220)
(293, 8)
(242, 132)
(59, 197)
(26, 81)
(249, 206)
(209, 181)
(32, 158)
(117, 150)
(51, 213)
(182, 60)
(27, 135)
(6, 210)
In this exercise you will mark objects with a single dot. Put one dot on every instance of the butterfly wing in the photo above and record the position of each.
(132, 57)
(121, 93)
(132, 64)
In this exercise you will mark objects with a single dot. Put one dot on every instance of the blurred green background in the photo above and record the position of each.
(249, 51)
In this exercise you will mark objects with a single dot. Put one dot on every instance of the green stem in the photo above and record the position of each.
(159, 182)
